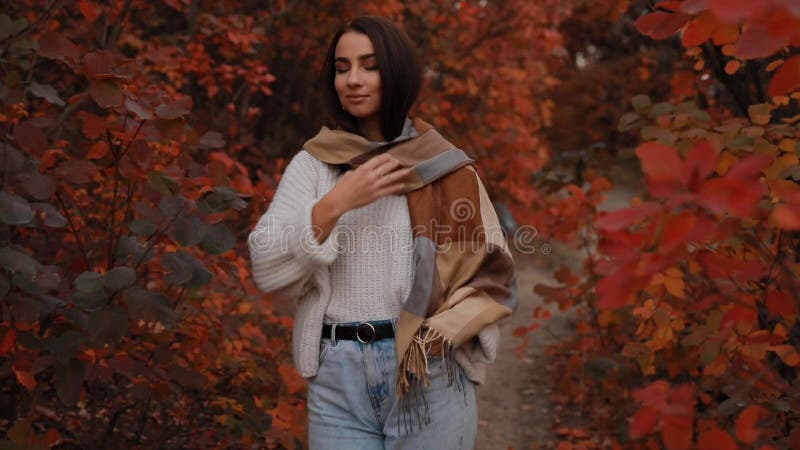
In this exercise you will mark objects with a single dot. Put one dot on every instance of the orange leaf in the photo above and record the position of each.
(98, 150)
(715, 439)
(788, 354)
(732, 66)
(787, 217)
(746, 429)
(25, 378)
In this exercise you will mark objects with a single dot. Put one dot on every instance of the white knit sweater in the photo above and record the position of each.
(363, 270)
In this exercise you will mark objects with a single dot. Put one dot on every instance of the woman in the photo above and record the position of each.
(396, 318)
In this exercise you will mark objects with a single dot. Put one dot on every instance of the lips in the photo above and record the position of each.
(357, 98)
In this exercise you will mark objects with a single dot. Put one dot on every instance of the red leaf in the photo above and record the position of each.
(739, 198)
(766, 34)
(781, 303)
(676, 232)
(106, 93)
(100, 65)
(654, 394)
(786, 79)
(661, 25)
(662, 166)
(718, 265)
(681, 400)
(140, 111)
(55, 46)
(88, 9)
(644, 422)
(175, 109)
(676, 432)
(734, 11)
(746, 426)
(30, 138)
(715, 439)
(699, 30)
(98, 150)
(93, 126)
(694, 6)
(7, 341)
(625, 217)
(751, 167)
(616, 290)
(78, 172)
(740, 313)
(700, 162)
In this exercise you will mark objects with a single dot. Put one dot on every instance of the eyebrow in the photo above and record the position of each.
(362, 57)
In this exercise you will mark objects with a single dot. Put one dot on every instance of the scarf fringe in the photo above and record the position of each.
(413, 375)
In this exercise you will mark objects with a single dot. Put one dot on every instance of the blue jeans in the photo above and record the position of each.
(352, 402)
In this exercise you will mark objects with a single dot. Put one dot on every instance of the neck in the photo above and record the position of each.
(371, 129)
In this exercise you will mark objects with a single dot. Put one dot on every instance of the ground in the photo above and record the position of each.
(514, 411)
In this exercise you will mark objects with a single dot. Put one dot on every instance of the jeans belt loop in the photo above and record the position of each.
(333, 335)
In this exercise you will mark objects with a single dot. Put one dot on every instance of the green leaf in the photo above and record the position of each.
(65, 346)
(184, 269)
(172, 206)
(163, 183)
(218, 200)
(659, 109)
(189, 230)
(52, 217)
(108, 325)
(629, 122)
(5, 287)
(119, 278)
(640, 103)
(149, 306)
(14, 210)
(106, 93)
(218, 239)
(91, 301)
(69, 381)
(18, 262)
(142, 228)
(130, 250)
(89, 282)
(37, 185)
(47, 92)
(9, 27)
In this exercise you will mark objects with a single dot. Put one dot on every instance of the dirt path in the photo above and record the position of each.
(513, 407)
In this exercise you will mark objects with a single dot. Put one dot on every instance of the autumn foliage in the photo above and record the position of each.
(141, 140)
(688, 304)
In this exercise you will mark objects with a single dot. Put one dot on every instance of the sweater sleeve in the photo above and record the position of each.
(283, 250)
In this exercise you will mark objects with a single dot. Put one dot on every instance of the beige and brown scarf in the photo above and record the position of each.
(464, 273)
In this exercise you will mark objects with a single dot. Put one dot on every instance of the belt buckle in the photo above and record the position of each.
(368, 329)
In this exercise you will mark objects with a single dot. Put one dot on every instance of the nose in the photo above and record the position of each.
(353, 77)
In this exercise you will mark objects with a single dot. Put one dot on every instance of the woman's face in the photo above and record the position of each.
(357, 80)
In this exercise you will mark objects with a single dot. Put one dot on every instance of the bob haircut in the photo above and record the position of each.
(399, 68)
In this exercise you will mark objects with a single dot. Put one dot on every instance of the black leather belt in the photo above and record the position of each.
(364, 332)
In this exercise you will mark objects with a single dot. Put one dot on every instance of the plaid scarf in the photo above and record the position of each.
(463, 273)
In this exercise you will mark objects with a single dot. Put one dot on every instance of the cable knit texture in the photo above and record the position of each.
(363, 270)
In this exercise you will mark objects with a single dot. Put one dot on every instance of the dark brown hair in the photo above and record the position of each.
(399, 68)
